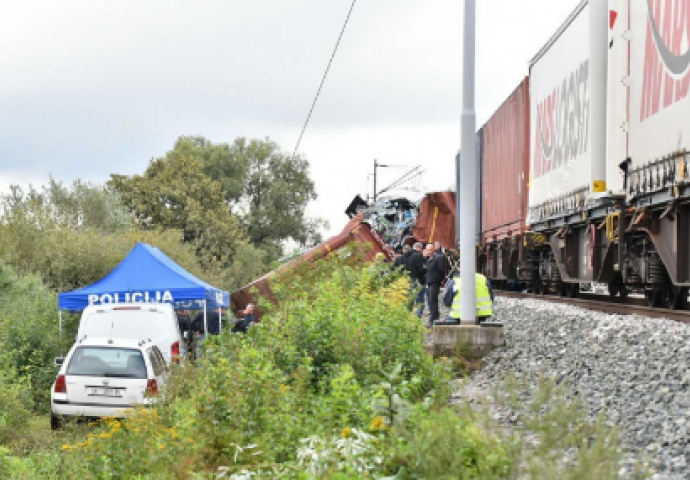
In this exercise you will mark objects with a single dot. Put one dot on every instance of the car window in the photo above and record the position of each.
(158, 367)
(107, 362)
(161, 358)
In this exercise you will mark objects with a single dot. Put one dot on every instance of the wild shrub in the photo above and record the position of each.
(345, 315)
(15, 402)
(74, 236)
(444, 445)
(29, 336)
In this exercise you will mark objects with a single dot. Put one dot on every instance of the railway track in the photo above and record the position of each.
(631, 306)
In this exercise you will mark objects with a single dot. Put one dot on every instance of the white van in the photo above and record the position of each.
(138, 321)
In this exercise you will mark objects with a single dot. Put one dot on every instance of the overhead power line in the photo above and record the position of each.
(323, 79)
(409, 176)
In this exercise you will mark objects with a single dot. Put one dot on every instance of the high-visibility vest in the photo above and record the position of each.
(484, 303)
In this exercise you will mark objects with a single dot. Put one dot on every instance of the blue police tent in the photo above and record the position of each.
(147, 275)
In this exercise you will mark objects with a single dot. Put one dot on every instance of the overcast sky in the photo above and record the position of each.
(93, 87)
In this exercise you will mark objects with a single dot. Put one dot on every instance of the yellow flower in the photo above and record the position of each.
(66, 447)
(106, 435)
(378, 423)
(346, 432)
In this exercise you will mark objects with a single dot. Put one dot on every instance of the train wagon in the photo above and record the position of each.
(608, 197)
(355, 231)
(505, 173)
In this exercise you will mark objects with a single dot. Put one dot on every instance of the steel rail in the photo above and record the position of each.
(630, 307)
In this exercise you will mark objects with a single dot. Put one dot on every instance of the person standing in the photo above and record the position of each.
(484, 298)
(435, 274)
(401, 260)
(249, 318)
(415, 265)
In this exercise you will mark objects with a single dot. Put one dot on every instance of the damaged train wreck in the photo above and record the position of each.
(385, 225)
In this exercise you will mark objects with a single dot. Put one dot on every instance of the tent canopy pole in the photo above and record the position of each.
(205, 321)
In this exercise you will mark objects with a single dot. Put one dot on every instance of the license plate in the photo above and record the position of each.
(105, 392)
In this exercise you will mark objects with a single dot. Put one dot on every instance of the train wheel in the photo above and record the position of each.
(574, 290)
(614, 289)
(624, 291)
(653, 297)
(563, 290)
(676, 298)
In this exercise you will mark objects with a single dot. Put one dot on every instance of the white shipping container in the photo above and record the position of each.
(659, 79)
(560, 114)
(617, 93)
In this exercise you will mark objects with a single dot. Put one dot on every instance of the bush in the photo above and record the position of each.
(345, 314)
(29, 337)
(14, 401)
(72, 237)
(444, 445)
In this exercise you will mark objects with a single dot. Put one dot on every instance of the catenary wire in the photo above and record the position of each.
(323, 79)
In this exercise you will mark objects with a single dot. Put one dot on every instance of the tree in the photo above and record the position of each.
(174, 193)
(269, 190)
(224, 163)
(80, 206)
(277, 193)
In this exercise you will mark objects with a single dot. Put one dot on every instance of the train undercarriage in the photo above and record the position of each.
(566, 253)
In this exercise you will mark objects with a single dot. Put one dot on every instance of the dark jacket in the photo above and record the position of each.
(399, 262)
(416, 267)
(212, 322)
(450, 294)
(184, 322)
(403, 261)
(436, 269)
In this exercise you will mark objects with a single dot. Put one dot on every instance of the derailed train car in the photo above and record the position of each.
(356, 230)
(607, 192)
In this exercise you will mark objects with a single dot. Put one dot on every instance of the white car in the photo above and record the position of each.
(102, 377)
(156, 322)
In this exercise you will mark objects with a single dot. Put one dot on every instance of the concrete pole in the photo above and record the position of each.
(468, 187)
(599, 38)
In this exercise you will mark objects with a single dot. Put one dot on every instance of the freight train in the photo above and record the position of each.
(585, 171)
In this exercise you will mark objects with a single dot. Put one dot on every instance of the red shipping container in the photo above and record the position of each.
(505, 167)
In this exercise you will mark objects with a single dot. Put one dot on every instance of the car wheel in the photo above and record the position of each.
(55, 422)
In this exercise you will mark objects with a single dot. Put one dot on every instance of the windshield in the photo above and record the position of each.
(107, 362)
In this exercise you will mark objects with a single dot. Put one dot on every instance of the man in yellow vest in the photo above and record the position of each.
(484, 294)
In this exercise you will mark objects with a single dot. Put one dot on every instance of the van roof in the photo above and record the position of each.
(109, 307)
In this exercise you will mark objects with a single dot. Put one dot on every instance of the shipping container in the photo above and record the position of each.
(480, 185)
(649, 66)
(560, 111)
(436, 219)
(355, 231)
(505, 167)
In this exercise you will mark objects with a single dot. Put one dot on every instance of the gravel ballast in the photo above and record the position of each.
(633, 369)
